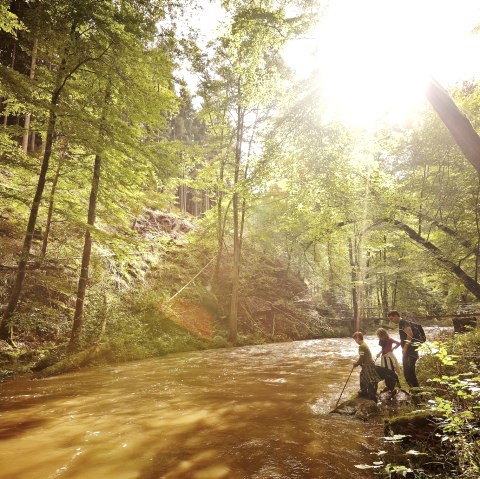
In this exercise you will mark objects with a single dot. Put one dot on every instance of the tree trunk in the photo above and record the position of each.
(456, 122)
(384, 281)
(182, 193)
(477, 226)
(50, 204)
(394, 292)
(467, 281)
(233, 318)
(87, 245)
(6, 326)
(220, 222)
(356, 310)
(32, 76)
(32, 141)
(206, 203)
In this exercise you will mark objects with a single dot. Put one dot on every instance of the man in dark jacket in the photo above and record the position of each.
(409, 349)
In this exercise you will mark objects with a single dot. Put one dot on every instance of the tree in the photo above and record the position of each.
(247, 76)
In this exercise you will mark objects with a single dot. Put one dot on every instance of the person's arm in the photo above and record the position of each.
(409, 333)
(396, 343)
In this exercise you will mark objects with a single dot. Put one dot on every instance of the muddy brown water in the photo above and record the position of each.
(251, 412)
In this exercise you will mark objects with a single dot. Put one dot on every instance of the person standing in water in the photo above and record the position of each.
(409, 349)
(388, 345)
(369, 378)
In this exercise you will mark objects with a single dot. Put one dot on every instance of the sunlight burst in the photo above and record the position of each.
(375, 57)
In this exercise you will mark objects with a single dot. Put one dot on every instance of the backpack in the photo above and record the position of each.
(419, 335)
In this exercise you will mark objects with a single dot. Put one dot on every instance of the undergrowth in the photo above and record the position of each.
(449, 371)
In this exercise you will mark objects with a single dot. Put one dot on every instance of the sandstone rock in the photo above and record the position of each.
(153, 222)
(360, 408)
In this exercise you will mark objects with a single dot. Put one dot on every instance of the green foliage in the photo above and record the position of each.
(457, 395)
(9, 22)
(450, 367)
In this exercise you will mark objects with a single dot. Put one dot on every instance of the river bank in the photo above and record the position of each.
(437, 434)
(49, 358)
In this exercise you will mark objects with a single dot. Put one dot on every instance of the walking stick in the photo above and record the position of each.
(353, 367)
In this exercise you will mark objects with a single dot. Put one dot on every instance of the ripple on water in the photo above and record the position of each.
(253, 412)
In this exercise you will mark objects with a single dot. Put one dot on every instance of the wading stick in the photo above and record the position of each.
(353, 367)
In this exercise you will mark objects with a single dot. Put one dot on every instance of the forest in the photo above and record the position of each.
(160, 193)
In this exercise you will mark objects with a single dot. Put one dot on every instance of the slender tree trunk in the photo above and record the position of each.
(104, 317)
(87, 249)
(354, 276)
(238, 224)
(331, 276)
(50, 204)
(385, 283)
(207, 201)
(422, 194)
(32, 141)
(196, 204)
(220, 223)
(32, 76)
(394, 293)
(6, 326)
(87, 245)
(385, 307)
(361, 257)
(221, 215)
(183, 194)
(233, 318)
(379, 293)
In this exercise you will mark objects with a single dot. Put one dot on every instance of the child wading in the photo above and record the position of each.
(388, 345)
(369, 378)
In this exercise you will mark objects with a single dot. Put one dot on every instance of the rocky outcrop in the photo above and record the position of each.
(151, 223)
(362, 408)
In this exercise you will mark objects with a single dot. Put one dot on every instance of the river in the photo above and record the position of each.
(258, 412)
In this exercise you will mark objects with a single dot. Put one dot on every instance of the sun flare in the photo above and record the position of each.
(375, 57)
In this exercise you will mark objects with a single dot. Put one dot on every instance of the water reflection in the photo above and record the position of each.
(254, 412)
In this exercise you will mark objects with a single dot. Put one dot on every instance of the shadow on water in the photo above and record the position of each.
(255, 412)
(12, 429)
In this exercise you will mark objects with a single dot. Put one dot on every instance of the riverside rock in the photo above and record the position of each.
(360, 408)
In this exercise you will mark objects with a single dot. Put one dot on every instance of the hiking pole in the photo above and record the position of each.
(353, 367)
